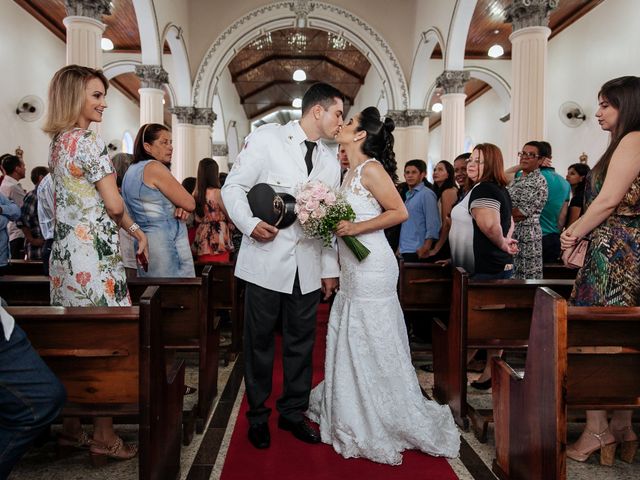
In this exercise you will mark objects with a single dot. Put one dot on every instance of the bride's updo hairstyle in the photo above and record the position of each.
(378, 143)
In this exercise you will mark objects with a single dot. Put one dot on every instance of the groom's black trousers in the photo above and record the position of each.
(263, 308)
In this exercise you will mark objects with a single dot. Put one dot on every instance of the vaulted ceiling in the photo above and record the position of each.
(262, 71)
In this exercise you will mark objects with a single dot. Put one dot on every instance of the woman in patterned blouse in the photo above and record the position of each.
(85, 266)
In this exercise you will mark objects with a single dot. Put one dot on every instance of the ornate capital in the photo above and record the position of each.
(529, 13)
(452, 81)
(194, 116)
(302, 9)
(407, 118)
(88, 8)
(152, 76)
(220, 150)
(184, 114)
(204, 116)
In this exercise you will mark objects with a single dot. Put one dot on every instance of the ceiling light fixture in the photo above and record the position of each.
(106, 44)
(299, 75)
(496, 51)
(436, 107)
(297, 103)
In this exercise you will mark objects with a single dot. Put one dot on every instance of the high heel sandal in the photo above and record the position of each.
(607, 450)
(100, 452)
(67, 444)
(628, 448)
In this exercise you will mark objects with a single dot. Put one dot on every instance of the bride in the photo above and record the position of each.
(370, 404)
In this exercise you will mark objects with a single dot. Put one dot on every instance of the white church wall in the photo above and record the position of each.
(29, 74)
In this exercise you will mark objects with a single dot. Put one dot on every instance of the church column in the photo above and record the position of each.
(416, 137)
(84, 31)
(411, 136)
(152, 78)
(220, 154)
(203, 119)
(453, 97)
(182, 142)
(529, 70)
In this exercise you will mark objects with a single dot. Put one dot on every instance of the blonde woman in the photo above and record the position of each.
(85, 266)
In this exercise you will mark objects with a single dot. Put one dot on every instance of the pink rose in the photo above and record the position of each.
(330, 198)
(312, 205)
(303, 216)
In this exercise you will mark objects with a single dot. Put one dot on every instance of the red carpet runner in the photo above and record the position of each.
(291, 459)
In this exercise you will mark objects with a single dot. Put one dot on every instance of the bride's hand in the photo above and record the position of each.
(346, 228)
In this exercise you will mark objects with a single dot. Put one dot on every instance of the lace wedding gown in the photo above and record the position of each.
(370, 404)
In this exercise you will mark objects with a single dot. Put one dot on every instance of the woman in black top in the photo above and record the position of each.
(576, 176)
(493, 248)
(490, 206)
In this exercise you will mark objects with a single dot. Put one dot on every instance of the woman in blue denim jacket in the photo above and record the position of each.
(159, 204)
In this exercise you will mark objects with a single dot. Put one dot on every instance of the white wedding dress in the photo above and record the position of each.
(370, 404)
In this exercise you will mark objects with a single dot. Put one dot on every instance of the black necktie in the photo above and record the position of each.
(309, 154)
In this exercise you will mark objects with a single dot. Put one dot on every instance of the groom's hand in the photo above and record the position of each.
(263, 232)
(329, 287)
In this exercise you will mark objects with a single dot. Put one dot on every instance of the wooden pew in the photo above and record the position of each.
(578, 358)
(112, 362)
(25, 267)
(424, 287)
(484, 314)
(228, 297)
(25, 290)
(189, 324)
(558, 270)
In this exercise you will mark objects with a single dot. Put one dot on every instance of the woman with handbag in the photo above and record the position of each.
(611, 271)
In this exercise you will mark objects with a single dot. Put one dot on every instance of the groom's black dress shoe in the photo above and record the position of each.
(301, 430)
(259, 435)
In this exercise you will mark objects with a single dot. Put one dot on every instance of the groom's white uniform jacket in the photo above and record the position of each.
(273, 154)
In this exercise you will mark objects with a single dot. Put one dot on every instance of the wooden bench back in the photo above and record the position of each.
(25, 267)
(182, 304)
(26, 290)
(578, 358)
(603, 350)
(95, 351)
(499, 311)
(424, 287)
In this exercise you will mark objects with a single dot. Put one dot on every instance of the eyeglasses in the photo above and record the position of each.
(528, 155)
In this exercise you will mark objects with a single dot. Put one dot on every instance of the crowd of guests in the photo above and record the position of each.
(130, 216)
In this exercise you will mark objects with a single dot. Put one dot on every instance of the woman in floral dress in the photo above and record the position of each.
(611, 271)
(213, 235)
(529, 194)
(85, 266)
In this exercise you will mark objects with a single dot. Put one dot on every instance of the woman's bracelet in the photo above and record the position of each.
(133, 228)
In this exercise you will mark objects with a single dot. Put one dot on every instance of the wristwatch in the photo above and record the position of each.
(133, 228)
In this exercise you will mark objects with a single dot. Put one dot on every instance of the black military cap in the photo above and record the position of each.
(276, 209)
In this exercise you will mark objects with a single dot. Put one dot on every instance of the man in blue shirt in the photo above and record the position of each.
(554, 213)
(422, 228)
(9, 212)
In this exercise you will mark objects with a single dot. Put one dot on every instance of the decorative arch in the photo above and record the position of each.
(323, 16)
(118, 67)
(419, 69)
(149, 34)
(493, 79)
(458, 31)
(219, 126)
(496, 82)
(180, 78)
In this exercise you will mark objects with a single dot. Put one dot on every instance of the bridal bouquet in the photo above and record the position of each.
(320, 209)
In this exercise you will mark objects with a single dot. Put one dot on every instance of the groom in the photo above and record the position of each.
(284, 270)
